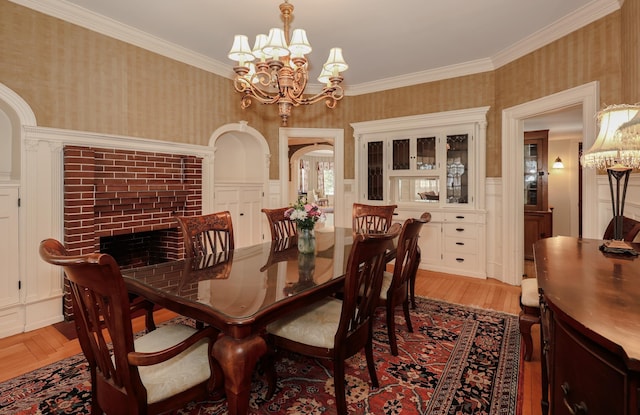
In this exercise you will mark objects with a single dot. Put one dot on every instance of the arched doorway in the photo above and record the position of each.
(239, 176)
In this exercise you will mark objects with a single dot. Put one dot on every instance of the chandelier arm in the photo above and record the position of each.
(245, 87)
(332, 94)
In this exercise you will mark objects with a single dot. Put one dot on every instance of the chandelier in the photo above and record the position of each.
(276, 69)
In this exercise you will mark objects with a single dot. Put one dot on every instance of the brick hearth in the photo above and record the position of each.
(110, 192)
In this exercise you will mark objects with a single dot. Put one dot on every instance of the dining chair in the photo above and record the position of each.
(281, 227)
(204, 235)
(371, 218)
(334, 328)
(396, 285)
(630, 229)
(159, 371)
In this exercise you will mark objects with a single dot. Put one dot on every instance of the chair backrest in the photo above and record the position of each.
(371, 218)
(630, 229)
(365, 267)
(100, 300)
(281, 226)
(407, 256)
(206, 234)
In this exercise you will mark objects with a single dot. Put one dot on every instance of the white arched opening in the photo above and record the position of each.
(239, 177)
(512, 163)
(15, 114)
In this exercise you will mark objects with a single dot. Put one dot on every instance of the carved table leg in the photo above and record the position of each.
(238, 358)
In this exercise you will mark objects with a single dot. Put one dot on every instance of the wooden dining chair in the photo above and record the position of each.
(159, 371)
(630, 229)
(396, 285)
(281, 227)
(337, 329)
(371, 218)
(204, 235)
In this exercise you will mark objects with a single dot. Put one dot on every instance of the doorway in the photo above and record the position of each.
(513, 120)
(335, 136)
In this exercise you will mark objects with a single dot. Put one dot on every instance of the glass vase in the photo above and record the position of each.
(306, 241)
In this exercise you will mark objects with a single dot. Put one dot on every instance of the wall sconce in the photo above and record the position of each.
(557, 164)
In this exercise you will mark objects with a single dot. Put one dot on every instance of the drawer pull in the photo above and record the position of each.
(460, 229)
(459, 217)
(460, 259)
(459, 243)
(576, 408)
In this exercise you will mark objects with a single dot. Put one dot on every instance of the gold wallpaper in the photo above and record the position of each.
(77, 79)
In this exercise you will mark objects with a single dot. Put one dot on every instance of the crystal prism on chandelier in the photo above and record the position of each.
(275, 71)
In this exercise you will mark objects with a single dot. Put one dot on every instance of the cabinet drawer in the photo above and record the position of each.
(460, 230)
(585, 374)
(463, 245)
(460, 217)
(459, 260)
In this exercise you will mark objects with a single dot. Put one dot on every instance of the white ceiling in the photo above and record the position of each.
(386, 44)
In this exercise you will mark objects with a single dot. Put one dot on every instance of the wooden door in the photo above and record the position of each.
(9, 271)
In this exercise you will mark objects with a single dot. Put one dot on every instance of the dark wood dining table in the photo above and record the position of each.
(240, 291)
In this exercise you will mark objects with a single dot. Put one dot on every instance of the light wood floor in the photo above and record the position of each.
(25, 352)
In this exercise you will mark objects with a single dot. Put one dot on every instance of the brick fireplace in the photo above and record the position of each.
(131, 196)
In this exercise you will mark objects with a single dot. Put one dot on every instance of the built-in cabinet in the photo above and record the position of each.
(435, 163)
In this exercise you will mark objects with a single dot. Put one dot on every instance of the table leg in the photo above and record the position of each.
(238, 358)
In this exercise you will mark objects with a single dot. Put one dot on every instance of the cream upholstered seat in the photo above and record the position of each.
(160, 371)
(337, 329)
(529, 314)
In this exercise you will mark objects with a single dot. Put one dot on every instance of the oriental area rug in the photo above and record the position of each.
(459, 360)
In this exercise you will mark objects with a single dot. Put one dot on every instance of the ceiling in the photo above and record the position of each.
(386, 44)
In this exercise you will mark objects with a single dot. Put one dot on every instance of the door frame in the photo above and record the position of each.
(337, 134)
(513, 118)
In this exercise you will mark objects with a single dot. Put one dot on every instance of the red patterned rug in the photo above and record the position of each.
(459, 360)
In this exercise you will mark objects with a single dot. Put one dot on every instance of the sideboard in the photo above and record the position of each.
(590, 333)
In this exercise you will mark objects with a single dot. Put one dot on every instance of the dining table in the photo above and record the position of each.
(242, 290)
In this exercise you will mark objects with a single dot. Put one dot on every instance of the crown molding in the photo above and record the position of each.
(583, 16)
(74, 14)
(85, 18)
(431, 75)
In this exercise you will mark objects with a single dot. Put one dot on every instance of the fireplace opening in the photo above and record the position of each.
(137, 249)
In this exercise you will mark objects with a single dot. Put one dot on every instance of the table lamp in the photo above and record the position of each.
(616, 149)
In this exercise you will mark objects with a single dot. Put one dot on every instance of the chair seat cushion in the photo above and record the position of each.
(387, 277)
(530, 297)
(177, 374)
(315, 324)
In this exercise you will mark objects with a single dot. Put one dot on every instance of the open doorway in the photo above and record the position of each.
(512, 161)
(308, 137)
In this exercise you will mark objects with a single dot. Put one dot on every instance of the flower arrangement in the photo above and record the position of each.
(304, 214)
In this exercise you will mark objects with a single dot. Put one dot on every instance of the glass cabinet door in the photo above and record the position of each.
(426, 153)
(375, 170)
(457, 151)
(401, 154)
(535, 170)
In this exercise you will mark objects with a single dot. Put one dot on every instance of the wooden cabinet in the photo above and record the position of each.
(537, 225)
(589, 332)
(538, 219)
